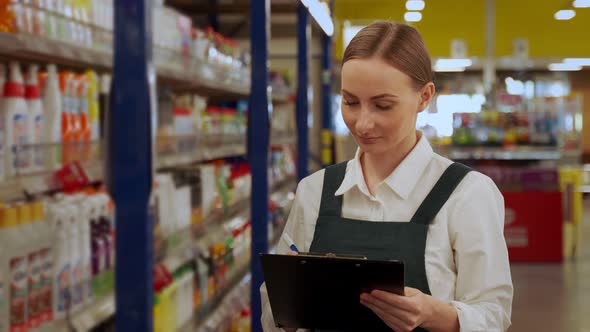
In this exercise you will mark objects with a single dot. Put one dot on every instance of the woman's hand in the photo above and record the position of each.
(401, 313)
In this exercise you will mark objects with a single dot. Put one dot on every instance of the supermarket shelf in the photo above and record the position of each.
(182, 250)
(32, 48)
(88, 318)
(198, 77)
(204, 317)
(283, 139)
(199, 154)
(21, 186)
(481, 153)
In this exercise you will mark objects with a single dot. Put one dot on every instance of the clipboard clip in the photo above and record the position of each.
(331, 255)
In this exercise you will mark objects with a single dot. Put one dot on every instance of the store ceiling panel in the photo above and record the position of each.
(443, 21)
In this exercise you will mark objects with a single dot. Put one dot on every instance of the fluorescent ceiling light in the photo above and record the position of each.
(577, 61)
(413, 16)
(321, 14)
(449, 70)
(415, 5)
(565, 14)
(453, 63)
(582, 3)
(564, 67)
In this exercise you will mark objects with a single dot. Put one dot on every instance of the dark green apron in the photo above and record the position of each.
(403, 241)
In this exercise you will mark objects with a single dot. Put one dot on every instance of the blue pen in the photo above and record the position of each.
(290, 243)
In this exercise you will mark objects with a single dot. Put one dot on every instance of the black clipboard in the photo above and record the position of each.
(315, 291)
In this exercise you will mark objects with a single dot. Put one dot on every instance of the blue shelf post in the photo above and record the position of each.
(129, 164)
(258, 145)
(327, 109)
(302, 102)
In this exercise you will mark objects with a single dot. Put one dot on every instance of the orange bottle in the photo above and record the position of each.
(67, 117)
(83, 118)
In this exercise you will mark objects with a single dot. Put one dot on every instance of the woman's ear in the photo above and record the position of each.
(426, 95)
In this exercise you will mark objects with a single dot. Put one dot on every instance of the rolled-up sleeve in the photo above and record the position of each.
(484, 291)
(294, 230)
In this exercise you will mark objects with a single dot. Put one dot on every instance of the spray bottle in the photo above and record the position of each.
(52, 107)
(15, 119)
(35, 119)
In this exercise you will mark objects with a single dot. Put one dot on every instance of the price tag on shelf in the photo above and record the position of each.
(72, 177)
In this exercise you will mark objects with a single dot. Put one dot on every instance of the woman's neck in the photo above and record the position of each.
(377, 167)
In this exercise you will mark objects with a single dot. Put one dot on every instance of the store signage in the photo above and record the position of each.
(533, 234)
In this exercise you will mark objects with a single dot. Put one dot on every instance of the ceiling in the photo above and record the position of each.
(233, 16)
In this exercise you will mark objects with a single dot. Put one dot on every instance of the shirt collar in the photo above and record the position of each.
(402, 180)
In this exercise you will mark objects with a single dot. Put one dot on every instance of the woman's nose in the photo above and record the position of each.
(364, 122)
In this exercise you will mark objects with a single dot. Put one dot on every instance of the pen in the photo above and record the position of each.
(290, 243)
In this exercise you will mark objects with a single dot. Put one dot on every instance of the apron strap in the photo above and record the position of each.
(441, 192)
(331, 205)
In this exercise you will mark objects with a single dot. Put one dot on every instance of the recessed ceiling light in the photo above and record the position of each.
(564, 67)
(582, 3)
(577, 61)
(413, 16)
(565, 14)
(415, 5)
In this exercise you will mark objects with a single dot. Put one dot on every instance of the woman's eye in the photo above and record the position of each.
(350, 103)
(384, 107)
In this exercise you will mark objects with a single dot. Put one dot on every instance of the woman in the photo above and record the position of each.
(397, 199)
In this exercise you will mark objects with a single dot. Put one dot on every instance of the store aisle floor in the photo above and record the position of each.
(554, 297)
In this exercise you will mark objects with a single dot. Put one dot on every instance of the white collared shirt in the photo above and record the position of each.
(466, 256)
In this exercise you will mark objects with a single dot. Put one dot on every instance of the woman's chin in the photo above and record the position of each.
(372, 148)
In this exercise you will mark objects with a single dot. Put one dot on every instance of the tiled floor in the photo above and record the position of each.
(554, 297)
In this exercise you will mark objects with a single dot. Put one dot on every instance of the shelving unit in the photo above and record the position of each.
(130, 180)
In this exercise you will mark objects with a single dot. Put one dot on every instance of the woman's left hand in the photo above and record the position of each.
(401, 313)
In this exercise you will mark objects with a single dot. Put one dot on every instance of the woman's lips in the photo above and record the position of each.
(369, 140)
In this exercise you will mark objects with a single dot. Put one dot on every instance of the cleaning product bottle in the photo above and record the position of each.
(62, 276)
(46, 264)
(12, 273)
(83, 119)
(15, 118)
(35, 119)
(74, 254)
(52, 108)
(19, 271)
(28, 217)
(2, 122)
(98, 249)
(67, 130)
(4, 319)
(93, 105)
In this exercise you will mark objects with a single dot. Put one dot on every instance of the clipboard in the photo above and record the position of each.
(318, 291)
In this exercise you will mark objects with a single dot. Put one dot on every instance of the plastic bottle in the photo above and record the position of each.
(4, 270)
(83, 119)
(52, 108)
(35, 119)
(18, 268)
(46, 264)
(29, 219)
(15, 118)
(62, 266)
(93, 105)
(67, 125)
(75, 256)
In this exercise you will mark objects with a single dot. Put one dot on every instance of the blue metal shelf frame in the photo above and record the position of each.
(258, 145)
(302, 99)
(130, 163)
(327, 109)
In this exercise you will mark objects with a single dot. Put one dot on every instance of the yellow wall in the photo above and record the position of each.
(444, 20)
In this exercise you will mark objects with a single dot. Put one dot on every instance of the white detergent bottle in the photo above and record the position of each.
(2, 124)
(17, 271)
(83, 205)
(62, 267)
(47, 257)
(15, 119)
(75, 255)
(52, 109)
(35, 119)
(38, 244)
(7, 226)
